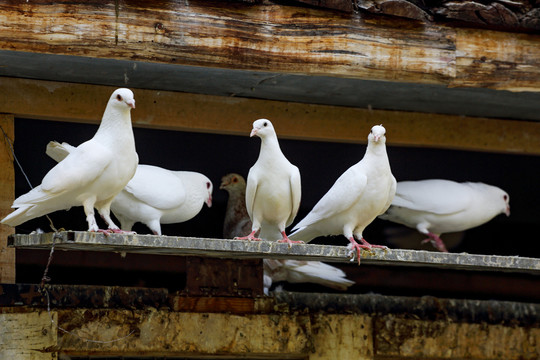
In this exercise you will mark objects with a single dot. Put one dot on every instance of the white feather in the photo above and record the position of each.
(92, 174)
(154, 195)
(442, 206)
(273, 186)
(358, 196)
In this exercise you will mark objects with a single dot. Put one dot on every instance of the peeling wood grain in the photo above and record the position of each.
(241, 36)
(497, 60)
(416, 339)
(502, 14)
(285, 336)
(24, 336)
(163, 333)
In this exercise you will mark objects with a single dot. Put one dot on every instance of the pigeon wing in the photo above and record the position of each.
(345, 192)
(436, 196)
(391, 195)
(251, 191)
(79, 169)
(157, 187)
(296, 193)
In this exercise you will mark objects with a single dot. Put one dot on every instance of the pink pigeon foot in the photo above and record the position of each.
(107, 232)
(368, 246)
(250, 237)
(365, 245)
(436, 241)
(289, 241)
(354, 246)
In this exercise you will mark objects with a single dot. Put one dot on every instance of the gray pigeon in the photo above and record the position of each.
(357, 197)
(273, 188)
(436, 206)
(294, 271)
(92, 174)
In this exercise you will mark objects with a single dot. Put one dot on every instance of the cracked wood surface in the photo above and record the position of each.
(277, 38)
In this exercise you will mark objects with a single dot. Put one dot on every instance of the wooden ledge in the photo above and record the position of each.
(235, 249)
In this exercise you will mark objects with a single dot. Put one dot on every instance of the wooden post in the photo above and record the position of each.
(7, 194)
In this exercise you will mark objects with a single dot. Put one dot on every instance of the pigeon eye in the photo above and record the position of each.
(119, 97)
(265, 124)
(208, 185)
(234, 180)
(505, 197)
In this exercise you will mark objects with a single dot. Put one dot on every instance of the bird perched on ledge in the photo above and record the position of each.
(92, 174)
(273, 188)
(154, 195)
(294, 271)
(357, 197)
(436, 206)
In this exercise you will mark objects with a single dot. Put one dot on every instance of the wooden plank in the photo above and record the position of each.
(497, 60)
(235, 249)
(25, 336)
(197, 335)
(320, 336)
(276, 38)
(7, 195)
(415, 339)
(264, 36)
(229, 115)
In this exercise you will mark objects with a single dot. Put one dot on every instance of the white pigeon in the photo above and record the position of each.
(92, 174)
(159, 196)
(436, 206)
(273, 187)
(237, 222)
(357, 197)
(154, 195)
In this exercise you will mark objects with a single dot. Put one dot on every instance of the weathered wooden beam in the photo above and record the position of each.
(271, 37)
(318, 335)
(164, 333)
(235, 249)
(7, 195)
(229, 115)
(500, 14)
(27, 335)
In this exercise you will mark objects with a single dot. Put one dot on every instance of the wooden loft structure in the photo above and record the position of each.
(456, 84)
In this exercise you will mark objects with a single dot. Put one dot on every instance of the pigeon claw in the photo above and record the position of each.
(436, 241)
(363, 246)
(354, 246)
(289, 241)
(250, 237)
(107, 232)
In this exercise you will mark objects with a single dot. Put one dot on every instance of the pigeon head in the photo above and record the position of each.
(262, 128)
(504, 199)
(494, 198)
(124, 98)
(232, 181)
(209, 188)
(377, 134)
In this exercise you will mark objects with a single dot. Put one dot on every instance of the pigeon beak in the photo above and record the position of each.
(222, 185)
(507, 211)
(131, 103)
(209, 201)
(377, 138)
(253, 132)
